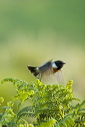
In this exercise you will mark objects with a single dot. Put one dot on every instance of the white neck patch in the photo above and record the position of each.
(54, 65)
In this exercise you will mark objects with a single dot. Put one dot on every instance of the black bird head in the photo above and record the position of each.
(59, 64)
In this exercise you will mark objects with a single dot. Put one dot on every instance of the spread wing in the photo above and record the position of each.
(59, 76)
(52, 78)
(48, 62)
(45, 67)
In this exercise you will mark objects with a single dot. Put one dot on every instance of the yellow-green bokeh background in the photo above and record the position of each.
(35, 31)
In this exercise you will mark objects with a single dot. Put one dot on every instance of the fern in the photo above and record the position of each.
(51, 105)
(67, 121)
(26, 109)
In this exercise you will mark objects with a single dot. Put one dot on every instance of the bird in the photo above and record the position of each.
(48, 73)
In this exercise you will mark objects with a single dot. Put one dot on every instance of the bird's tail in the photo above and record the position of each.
(33, 70)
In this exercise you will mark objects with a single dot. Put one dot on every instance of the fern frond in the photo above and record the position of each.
(49, 123)
(9, 80)
(26, 109)
(27, 115)
(66, 121)
(51, 105)
(5, 107)
(15, 81)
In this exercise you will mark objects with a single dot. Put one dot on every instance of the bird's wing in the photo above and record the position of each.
(52, 78)
(48, 62)
(59, 76)
(45, 67)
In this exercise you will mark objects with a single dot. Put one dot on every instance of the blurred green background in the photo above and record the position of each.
(35, 31)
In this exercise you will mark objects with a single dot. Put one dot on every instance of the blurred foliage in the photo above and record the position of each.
(67, 18)
(52, 106)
